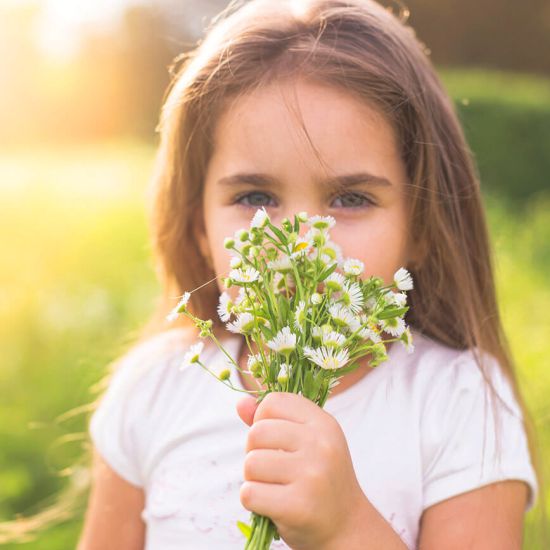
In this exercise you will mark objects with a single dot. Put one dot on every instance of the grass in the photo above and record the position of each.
(76, 282)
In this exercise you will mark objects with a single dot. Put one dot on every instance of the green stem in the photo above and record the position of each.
(223, 381)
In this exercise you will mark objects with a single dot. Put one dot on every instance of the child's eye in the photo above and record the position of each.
(255, 199)
(354, 200)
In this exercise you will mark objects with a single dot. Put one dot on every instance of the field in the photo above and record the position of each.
(77, 282)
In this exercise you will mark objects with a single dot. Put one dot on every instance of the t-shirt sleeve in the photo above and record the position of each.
(470, 438)
(112, 424)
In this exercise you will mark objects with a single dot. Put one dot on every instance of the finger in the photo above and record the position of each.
(288, 406)
(266, 499)
(273, 433)
(246, 408)
(269, 466)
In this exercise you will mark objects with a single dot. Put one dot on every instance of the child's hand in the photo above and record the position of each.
(298, 471)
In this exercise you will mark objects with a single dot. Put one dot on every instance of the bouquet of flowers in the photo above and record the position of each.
(307, 310)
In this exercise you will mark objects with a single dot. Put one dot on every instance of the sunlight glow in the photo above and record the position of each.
(61, 22)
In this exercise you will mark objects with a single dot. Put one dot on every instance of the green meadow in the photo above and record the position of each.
(77, 280)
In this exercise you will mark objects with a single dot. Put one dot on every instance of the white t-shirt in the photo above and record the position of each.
(415, 428)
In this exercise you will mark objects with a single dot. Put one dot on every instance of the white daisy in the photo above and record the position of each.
(370, 303)
(300, 315)
(260, 218)
(317, 240)
(396, 298)
(192, 355)
(254, 363)
(225, 307)
(406, 340)
(395, 326)
(323, 223)
(246, 275)
(284, 341)
(282, 264)
(333, 338)
(243, 324)
(327, 358)
(316, 298)
(370, 333)
(317, 333)
(342, 315)
(241, 296)
(353, 267)
(352, 296)
(235, 262)
(284, 373)
(335, 281)
(180, 308)
(301, 245)
(334, 251)
(324, 259)
(403, 279)
(278, 283)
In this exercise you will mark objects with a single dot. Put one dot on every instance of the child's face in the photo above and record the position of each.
(258, 135)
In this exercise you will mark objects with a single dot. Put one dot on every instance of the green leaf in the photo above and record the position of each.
(296, 223)
(317, 381)
(268, 334)
(392, 312)
(279, 234)
(347, 369)
(308, 384)
(284, 308)
(246, 530)
(327, 272)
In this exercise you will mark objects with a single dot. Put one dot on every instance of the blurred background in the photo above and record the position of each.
(81, 88)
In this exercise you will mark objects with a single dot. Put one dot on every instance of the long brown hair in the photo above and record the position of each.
(363, 49)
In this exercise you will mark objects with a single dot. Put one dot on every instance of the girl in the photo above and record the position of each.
(331, 107)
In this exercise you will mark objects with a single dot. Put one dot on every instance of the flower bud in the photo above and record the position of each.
(228, 282)
(319, 240)
(257, 237)
(282, 379)
(235, 262)
(316, 298)
(287, 225)
(229, 243)
(302, 217)
(256, 370)
(242, 235)
(224, 374)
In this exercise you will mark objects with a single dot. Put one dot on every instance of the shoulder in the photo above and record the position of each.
(435, 370)
(148, 359)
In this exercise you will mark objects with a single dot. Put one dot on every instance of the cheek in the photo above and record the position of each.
(380, 246)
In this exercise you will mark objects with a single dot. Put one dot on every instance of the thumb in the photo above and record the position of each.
(246, 408)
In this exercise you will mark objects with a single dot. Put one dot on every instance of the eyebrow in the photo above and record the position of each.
(346, 180)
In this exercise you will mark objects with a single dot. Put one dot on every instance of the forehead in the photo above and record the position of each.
(275, 123)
